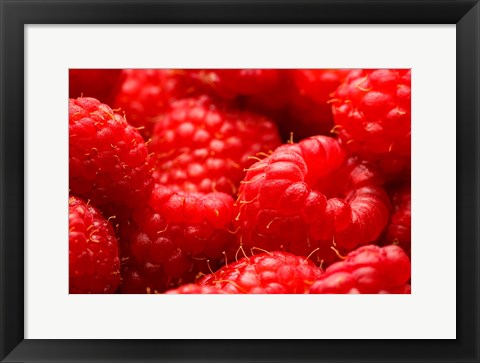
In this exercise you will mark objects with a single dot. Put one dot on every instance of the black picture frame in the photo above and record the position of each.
(16, 14)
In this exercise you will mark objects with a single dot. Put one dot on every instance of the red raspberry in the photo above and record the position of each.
(231, 83)
(175, 236)
(98, 83)
(94, 265)
(309, 196)
(109, 161)
(367, 270)
(200, 146)
(266, 273)
(399, 228)
(372, 116)
(146, 94)
(195, 289)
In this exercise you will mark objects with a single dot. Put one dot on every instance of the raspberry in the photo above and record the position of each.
(399, 228)
(109, 161)
(98, 83)
(310, 196)
(175, 236)
(367, 270)
(94, 265)
(266, 273)
(372, 115)
(146, 94)
(195, 289)
(231, 83)
(200, 146)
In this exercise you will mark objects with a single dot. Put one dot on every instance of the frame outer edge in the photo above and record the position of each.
(12, 180)
(3, 272)
(468, 182)
(11, 109)
(241, 11)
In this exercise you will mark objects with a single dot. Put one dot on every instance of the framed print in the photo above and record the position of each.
(411, 64)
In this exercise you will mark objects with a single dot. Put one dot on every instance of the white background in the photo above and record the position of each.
(428, 313)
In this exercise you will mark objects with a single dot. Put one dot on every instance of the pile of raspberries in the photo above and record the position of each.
(239, 181)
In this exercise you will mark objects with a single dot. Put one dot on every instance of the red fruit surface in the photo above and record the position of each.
(146, 94)
(310, 197)
(202, 147)
(367, 270)
(175, 236)
(101, 84)
(399, 229)
(94, 264)
(195, 289)
(108, 158)
(266, 273)
(372, 114)
(231, 83)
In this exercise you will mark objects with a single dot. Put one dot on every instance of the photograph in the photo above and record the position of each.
(239, 181)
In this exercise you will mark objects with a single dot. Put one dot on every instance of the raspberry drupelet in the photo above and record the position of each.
(232, 83)
(265, 273)
(174, 237)
(195, 289)
(200, 146)
(372, 114)
(367, 270)
(311, 197)
(108, 159)
(145, 95)
(94, 264)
